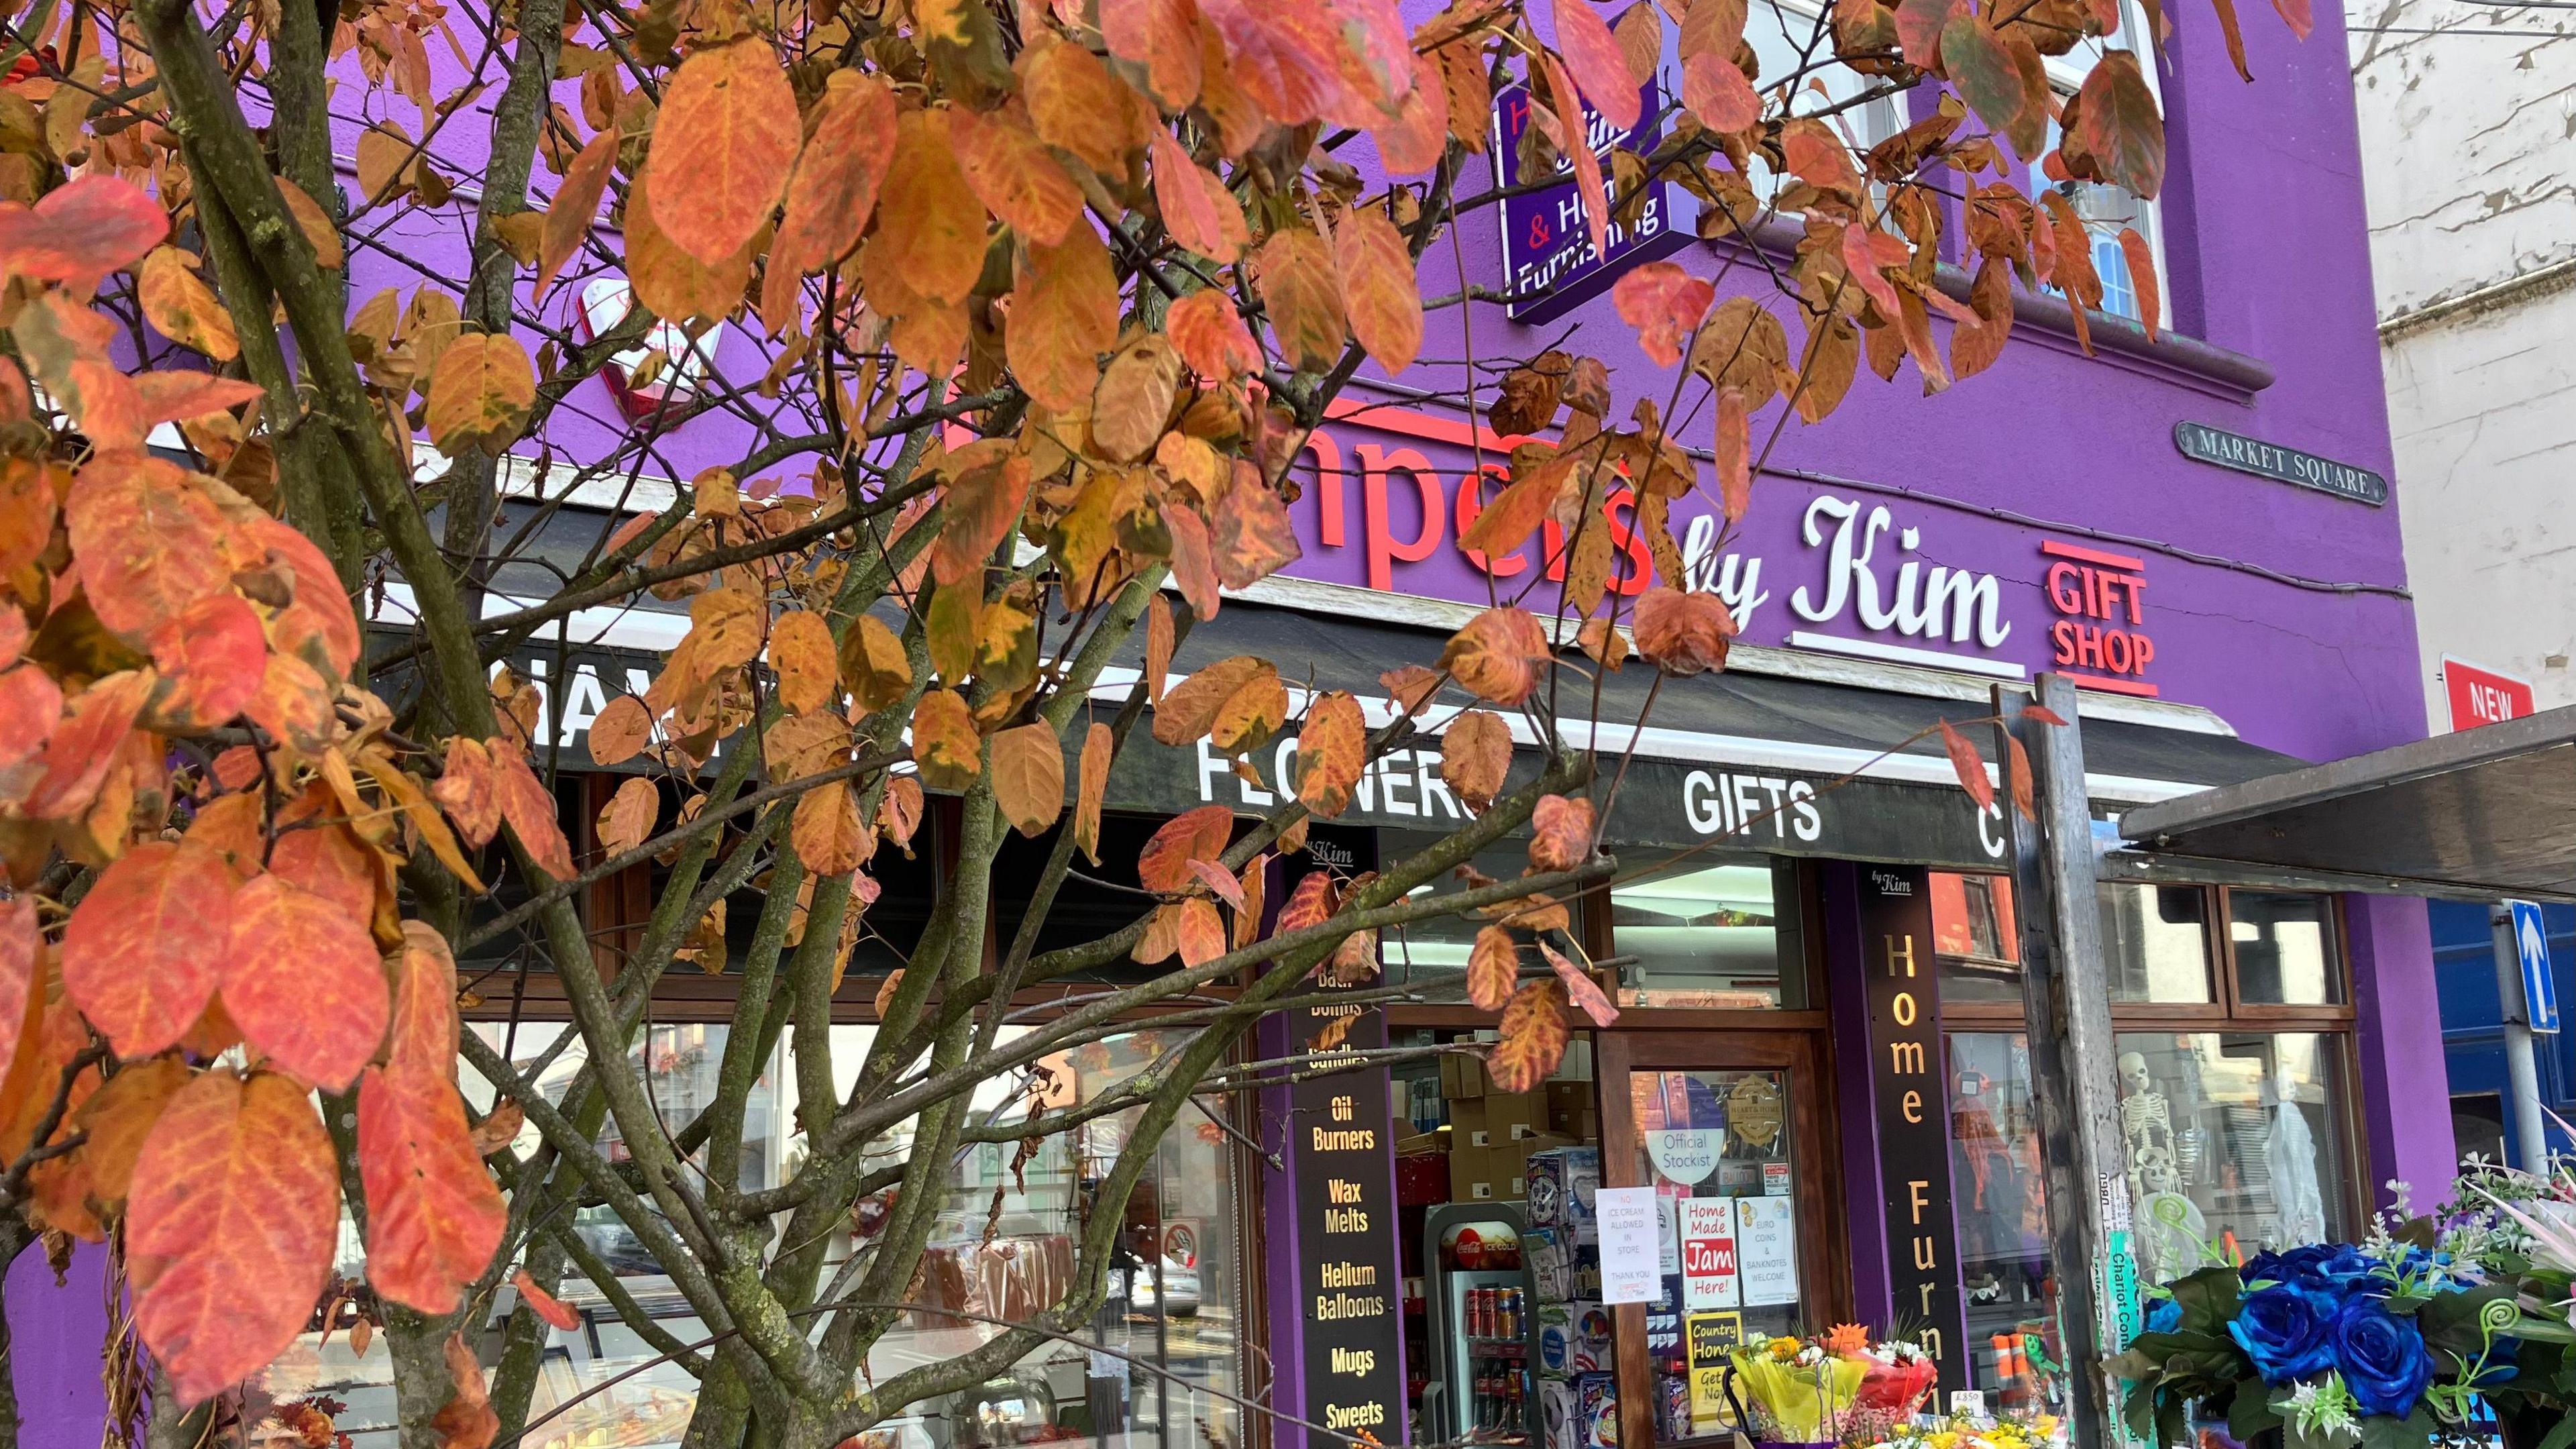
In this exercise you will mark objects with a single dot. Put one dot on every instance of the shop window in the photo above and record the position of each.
(1976, 937)
(1003, 1247)
(1998, 1192)
(2105, 209)
(2233, 1143)
(1441, 944)
(2283, 946)
(2155, 943)
(1708, 931)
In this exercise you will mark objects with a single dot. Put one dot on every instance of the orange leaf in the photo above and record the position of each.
(2017, 775)
(1064, 314)
(1254, 537)
(1332, 751)
(834, 191)
(1014, 174)
(945, 744)
(1134, 398)
(22, 946)
(1493, 969)
(481, 393)
(1303, 296)
(1158, 647)
(230, 1232)
(1532, 1037)
(1560, 832)
(1197, 209)
(1164, 864)
(544, 1304)
(530, 808)
(626, 821)
(1493, 656)
(304, 983)
(1211, 336)
(2142, 278)
(1189, 709)
(2117, 124)
(1199, 932)
(1580, 988)
(899, 809)
(1734, 455)
(930, 234)
(119, 1119)
(1660, 300)
(982, 508)
(326, 859)
(886, 991)
(1969, 766)
(1163, 37)
(874, 667)
(1311, 904)
(1587, 163)
(1286, 57)
(1475, 757)
(469, 791)
(1505, 524)
(81, 231)
(185, 309)
(424, 1026)
(1715, 90)
(210, 658)
(434, 1215)
(723, 146)
(801, 650)
(1028, 777)
(1599, 66)
(2043, 714)
(1099, 744)
(576, 205)
(466, 1420)
(84, 743)
(141, 954)
(148, 542)
(621, 731)
(1683, 633)
(1079, 107)
(319, 627)
(1383, 297)
(1414, 141)
(827, 833)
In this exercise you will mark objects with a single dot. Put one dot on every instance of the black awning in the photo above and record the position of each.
(2479, 814)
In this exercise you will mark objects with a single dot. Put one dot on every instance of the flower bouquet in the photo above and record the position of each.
(2405, 1339)
(1897, 1378)
(1959, 1431)
(1798, 1390)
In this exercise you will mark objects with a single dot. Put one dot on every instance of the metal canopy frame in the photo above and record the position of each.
(2474, 815)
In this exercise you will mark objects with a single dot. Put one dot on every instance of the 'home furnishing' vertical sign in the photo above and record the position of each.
(1912, 1109)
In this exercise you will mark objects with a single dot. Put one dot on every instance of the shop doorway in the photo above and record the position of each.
(1734, 1131)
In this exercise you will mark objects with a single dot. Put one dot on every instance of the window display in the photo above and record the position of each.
(2232, 1143)
(1708, 932)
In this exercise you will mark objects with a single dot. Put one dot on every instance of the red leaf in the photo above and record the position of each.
(1580, 988)
(82, 231)
(1210, 336)
(544, 1304)
(1661, 301)
(1715, 90)
(30, 705)
(1164, 864)
(1220, 880)
(210, 658)
(84, 743)
(1286, 57)
(177, 396)
(230, 1231)
(424, 1028)
(434, 1215)
(22, 944)
(2017, 775)
(1592, 53)
(1311, 904)
(304, 982)
(1970, 766)
(530, 808)
(148, 541)
(1587, 164)
(2043, 714)
(1683, 633)
(1560, 832)
(319, 627)
(2142, 278)
(141, 956)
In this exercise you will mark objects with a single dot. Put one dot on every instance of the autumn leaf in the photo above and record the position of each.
(2017, 775)
(469, 790)
(1592, 54)
(1028, 777)
(81, 231)
(802, 651)
(945, 744)
(899, 809)
(529, 807)
(210, 659)
(1064, 314)
(1968, 765)
(185, 309)
(621, 731)
(1164, 864)
(1253, 535)
(1382, 296)
(1211, 337)
(1099, 744)
(434, 1215)
(929, 240)
(723, 146)
(1163, 37)
(2142, 278)
(136, 957)
(1414, 141)
(2043, 715)
(1493, 969)
(1159, 630)
(1311, 904)
(22, 946)
(481, 394)
(1475, 757)
(1079, 107)
(118, 1119)
(1197, 209)
(1014, 175)
(1189, 709)
(1659, 299)
(1683, 633)
(1332, 751)
(1561, 829)
(1494, 656)
(1199, 932)
(544, 1304)
(1134, 398)
(1580, 988)
(304, 983)
(626, 821)
(1532, 1037)
(1250, 715)
(1286, 57)
(2118, 126)
(1715, 90)
(874, 667)
(147, 540)
(231, 1228)
(467, 1420)
(576, 206)
(1294, 273)
(424, 1025)
(318, 625)
(833, 194)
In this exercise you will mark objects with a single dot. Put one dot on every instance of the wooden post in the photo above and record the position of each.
(2066, 1006)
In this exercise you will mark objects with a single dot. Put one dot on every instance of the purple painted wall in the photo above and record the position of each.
(54, 1338)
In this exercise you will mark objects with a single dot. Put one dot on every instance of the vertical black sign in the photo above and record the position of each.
(1912, 1109)
(1342, 1158)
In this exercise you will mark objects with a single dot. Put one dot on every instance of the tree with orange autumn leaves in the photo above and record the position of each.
(1046, 298)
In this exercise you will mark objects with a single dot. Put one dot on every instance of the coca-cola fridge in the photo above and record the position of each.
(1482, 1301)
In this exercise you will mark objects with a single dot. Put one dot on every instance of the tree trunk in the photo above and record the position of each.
(169, 1427)
(422, 1387)
(723, 1412)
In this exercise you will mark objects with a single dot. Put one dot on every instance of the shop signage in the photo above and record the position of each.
(1711, 1276)
(1342, 1161)
(1766, 1250)
(2483, 696)
(1546, 244)
(2206, 444)
(1707, 1339)
(1626, 1217)
(2100, 638)
(1903, 1021)
(1686, 1155)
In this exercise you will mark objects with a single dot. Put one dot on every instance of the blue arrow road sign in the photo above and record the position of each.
(2539, 986)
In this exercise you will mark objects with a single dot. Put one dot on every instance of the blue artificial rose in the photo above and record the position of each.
(2327, 1273)
(2165, 1316)
(2382, 1357)
(2285, 1332)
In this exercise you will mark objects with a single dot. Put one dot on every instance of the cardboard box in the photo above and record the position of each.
(1461, 1076)
(1565, 1102)
(1485, 1174)
(1467, 1124)
(1514, 1116)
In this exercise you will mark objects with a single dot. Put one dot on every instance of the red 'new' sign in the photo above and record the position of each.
(2482, 696)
